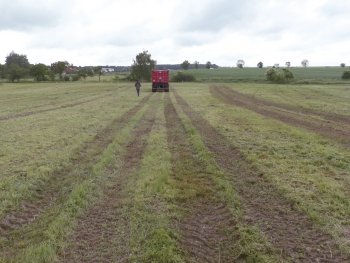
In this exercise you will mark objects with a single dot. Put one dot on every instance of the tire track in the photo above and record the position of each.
(91, 240)
(288, 229)
(330, 129)
(59, 183)
(207, 220)
(69, 105)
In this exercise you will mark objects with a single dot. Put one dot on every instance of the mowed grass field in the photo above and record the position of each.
(209, 172)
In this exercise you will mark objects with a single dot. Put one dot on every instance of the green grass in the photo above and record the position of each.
(324, 98)
(310, 170)
(33, 147)
(59, 220)
(153, 240)
(250, 74)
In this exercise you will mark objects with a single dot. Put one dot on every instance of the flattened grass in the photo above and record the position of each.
(310, 170)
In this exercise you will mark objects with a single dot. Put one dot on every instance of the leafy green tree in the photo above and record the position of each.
(99, 72)
(59, 67)
(39, 72)
(16, 66)
(2, 71)
(240, 63)
(342, 65)
(260, 65)
(196, 64)
(142, 67)
(346, 75)
(185, 65)
(278, 75)
(288, 64)
(208, 65)
(305, 63)
(182, 77)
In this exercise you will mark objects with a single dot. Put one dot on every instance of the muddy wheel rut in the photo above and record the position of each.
(207, 221)
(96, 231)
(69, 105)
(289, 230)
(335, 127)
(61, 181)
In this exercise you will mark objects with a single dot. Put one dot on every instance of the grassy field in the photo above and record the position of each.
(209, 172)
(320, 75)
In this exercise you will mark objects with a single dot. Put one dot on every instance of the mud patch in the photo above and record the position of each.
(289, 230)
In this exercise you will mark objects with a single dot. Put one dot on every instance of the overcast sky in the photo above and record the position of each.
(112, 32)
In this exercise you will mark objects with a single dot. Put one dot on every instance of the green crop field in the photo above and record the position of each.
(321, 75)
(213, 171)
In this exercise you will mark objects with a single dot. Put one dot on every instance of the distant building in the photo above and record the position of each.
(107, 69)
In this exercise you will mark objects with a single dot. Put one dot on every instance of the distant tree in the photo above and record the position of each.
(85, 72)
(16, 66)
(2, 71)
(142, 66)
(288, 64)
(98, 71)
(185, 65)
(196, 64)
(182, 77)
(240, 63)
(59, 67)
(39, 71)
(305, 63)
(342, 65)
(346, 75)
(260, 65)
(208, 65)
(278, 75)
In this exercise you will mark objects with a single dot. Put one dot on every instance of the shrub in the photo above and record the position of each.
(346, 75)
(278, 75)
(180, 77)
(66, 78)
(76, 77)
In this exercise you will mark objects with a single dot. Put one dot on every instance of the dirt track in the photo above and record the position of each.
(335, 126)
(60, 182)
(207, 219)
(288, 229)
(94, 238)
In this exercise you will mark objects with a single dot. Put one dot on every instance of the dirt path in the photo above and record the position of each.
(62, 181)
(332, 128)
(288, 229)
(93, 238)
(69, 105)
(207, 220)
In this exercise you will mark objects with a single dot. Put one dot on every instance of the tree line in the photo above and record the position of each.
(17, 67)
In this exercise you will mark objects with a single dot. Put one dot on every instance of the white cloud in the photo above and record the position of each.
(221, 31)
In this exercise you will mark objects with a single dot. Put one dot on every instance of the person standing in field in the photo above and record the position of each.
(138, 86)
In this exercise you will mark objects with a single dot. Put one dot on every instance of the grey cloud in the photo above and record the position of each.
(20, 15)
(219, 14)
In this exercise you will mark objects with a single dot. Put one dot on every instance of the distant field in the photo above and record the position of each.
(209, 172)
(310, 74)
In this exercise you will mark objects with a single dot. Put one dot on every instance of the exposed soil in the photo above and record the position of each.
(288, 229)
(69, 105)
(61, 181)
(96, 237)
(332, 127)
(207, 222)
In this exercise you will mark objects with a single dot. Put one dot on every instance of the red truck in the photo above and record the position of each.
(160, 80)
